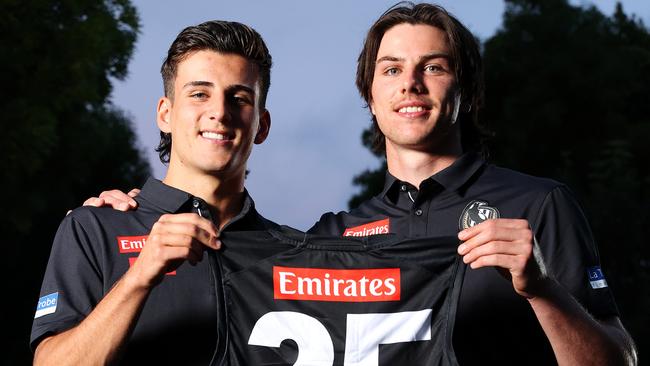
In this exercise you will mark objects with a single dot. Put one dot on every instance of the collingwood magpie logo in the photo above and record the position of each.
(475, 213)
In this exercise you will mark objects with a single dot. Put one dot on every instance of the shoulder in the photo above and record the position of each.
(267, 224)
(328, 223)
(100, 224)
(519, 195)
(508, 186)
(89, 216)
(331, 223)
(507, 178)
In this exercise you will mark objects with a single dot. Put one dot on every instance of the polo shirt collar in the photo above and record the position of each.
(457, 174)
(246, 218)
(451, 178)
(167, 198)
(172, 200)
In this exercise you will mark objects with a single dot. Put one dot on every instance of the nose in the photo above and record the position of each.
(413, 83)
(219, 110)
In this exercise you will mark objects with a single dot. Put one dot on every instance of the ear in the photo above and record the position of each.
(457, 100)
(263, 128)
(467, 106)
(163, 114)
(371, 105)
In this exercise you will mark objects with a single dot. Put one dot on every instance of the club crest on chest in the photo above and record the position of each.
(475, 213)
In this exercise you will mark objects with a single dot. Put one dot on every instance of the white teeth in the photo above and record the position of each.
(213, 135)
(410, 109)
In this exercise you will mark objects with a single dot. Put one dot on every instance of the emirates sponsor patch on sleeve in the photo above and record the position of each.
(371, 228)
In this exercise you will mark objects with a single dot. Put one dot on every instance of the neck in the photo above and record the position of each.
(414, 165)
(224, 195)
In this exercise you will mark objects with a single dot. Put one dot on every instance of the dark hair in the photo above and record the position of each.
(219, 36)
(465, 59)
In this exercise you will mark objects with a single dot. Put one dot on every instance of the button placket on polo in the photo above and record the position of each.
(418, 216)
(201, 208)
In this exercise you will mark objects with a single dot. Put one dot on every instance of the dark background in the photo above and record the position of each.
(568, 97)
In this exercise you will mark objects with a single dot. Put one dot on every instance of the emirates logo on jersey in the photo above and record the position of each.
(131, 244)
(342, 285)
(371, 228)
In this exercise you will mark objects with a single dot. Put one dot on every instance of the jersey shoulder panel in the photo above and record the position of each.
(504, 178)
(336, 223)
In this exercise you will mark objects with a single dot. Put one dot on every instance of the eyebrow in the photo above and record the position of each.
(428, 56)
(232, 88)
(198, 83)
(240, 87)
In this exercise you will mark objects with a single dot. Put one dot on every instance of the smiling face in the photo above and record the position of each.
(414, 89)
(214, 117)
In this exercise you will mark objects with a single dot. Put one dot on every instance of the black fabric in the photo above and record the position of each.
(179, 321)
(429, 269)
(494, 325)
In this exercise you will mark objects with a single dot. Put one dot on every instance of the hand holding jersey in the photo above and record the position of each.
(508, 244)
(173, 240)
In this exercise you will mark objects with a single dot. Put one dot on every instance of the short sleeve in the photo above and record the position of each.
(73, 283)
(570, 253)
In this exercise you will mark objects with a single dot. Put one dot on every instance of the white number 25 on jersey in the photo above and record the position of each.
(364, 333)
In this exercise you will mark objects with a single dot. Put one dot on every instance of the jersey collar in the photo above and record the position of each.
(451, 178)
(174, 200)
(165, 197)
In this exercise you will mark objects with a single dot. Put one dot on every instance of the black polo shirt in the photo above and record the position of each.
(94, 247)
(494, 325)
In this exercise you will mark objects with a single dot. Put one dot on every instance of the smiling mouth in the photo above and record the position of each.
(411, 109)
(210, 135)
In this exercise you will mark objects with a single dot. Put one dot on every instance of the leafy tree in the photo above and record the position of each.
(62, 138)
(568, 97)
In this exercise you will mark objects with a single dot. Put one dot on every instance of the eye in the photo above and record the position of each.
(433, 68)
(391, 71)
(241, 99)
(199, 95)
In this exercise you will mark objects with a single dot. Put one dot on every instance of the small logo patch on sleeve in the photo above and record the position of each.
(596, 277)
(46, 305)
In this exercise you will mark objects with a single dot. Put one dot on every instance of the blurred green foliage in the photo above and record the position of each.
(61, 138)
